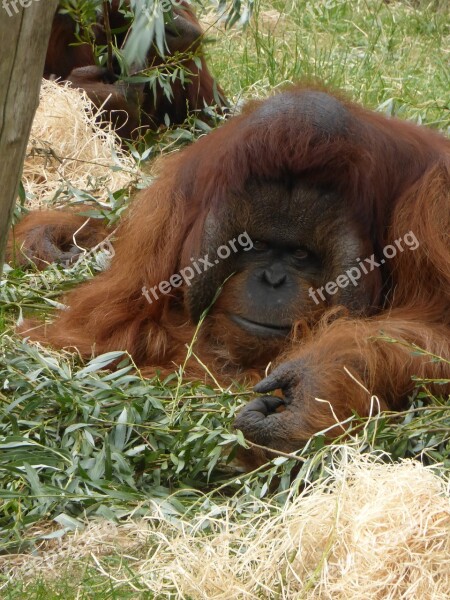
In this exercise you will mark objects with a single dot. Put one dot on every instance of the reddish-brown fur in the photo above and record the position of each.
(51, 235)
(395, 177)
(64, 52)
(133, 106)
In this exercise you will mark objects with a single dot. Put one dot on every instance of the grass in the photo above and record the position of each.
(393, 54)
(67, 589)
(78, 443)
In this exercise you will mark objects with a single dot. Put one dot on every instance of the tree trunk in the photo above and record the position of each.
(24, 31)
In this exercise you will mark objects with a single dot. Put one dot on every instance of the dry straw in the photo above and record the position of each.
(68, 147)
(372, 530)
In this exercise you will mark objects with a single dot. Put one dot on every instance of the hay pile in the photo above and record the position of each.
(374, 530)
(68, 148)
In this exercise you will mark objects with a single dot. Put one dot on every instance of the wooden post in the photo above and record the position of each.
(24, 31)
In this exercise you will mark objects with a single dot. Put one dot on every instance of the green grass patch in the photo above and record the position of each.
(394, 54)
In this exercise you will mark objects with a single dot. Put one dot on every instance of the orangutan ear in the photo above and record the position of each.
(353, 273)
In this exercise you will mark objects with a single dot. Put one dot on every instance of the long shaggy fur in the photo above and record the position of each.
(395, 177)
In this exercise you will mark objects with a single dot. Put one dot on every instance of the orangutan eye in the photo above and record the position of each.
(260, 246)
(300, 254)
